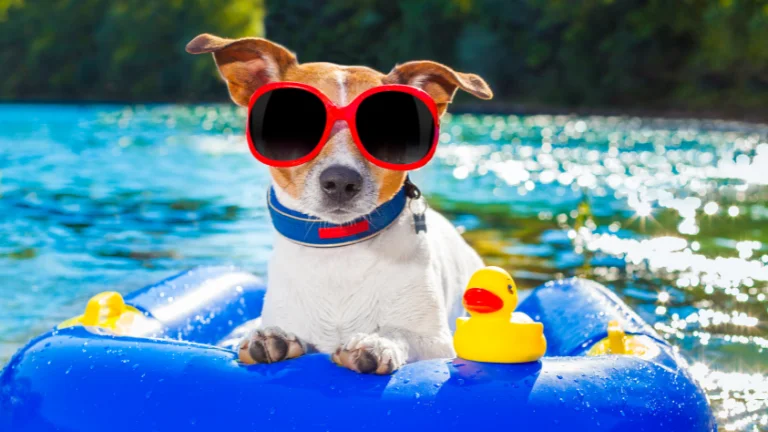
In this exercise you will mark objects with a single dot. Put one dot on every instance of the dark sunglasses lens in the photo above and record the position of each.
(287, 123)
(395, 127)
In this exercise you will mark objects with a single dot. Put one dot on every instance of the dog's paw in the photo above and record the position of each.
(269, 345)
(370, 353)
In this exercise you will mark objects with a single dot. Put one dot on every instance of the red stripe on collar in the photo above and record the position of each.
(343, 231)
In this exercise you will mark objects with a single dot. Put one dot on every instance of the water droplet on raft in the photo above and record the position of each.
(69, 369)
(460, 381)
(148, 395)
(622, 413)
(271, 411)
(559, 377)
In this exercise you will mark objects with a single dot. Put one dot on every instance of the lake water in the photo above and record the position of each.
(671, 215)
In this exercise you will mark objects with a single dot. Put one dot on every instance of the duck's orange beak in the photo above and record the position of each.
(482, 301)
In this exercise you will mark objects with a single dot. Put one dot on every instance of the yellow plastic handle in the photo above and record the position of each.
(103, 306)
(616, 338)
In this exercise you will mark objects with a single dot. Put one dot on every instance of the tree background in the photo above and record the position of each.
(708, 55)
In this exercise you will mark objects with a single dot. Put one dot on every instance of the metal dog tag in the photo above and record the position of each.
(420, 222)
(419, 211)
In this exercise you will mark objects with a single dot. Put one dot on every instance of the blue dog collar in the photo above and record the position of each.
(311, 231)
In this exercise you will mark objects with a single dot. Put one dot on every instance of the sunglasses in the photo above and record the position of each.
(393, 126)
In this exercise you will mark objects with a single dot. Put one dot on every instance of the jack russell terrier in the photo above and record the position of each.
(362, 269)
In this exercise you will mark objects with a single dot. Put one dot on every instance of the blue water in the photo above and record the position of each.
(669, 214)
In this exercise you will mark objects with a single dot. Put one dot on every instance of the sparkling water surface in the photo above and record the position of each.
(670, 214)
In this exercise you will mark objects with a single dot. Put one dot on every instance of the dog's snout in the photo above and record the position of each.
(341, 183)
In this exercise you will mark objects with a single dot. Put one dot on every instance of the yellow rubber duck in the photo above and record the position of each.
(493, 332)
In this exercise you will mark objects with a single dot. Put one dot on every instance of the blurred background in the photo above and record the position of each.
(689, 55)
(626, 143)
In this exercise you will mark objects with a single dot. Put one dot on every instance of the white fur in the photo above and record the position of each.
(340, 80)
(398, 285)
(311, 199)
(418, 81)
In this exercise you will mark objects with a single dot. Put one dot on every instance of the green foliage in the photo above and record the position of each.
(595, 53)
(116, 49)
(698, 54)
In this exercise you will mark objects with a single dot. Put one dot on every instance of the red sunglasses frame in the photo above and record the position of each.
(347, 113)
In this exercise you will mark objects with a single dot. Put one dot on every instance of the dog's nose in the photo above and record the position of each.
(341, 183)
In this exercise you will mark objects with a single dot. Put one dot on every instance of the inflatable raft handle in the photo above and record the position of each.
(108, 305)
(618, 342)
(616, 338)
(109, 311)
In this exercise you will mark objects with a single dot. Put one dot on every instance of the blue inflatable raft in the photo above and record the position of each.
(167, 372)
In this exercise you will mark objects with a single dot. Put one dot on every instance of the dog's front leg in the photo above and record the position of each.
(372, 353)
(388, 349)
(270, 345)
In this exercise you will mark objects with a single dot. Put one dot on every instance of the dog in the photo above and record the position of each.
(376, 304)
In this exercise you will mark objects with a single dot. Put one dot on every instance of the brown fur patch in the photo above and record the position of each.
(389, 181)
(439, 81)
(246, 64)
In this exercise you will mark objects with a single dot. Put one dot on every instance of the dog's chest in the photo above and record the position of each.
(324, 308)
(327, 298)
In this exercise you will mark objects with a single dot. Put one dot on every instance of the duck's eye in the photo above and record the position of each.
(510, 288)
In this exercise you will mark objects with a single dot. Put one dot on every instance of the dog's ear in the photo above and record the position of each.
(439, 81)
(246, 64)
